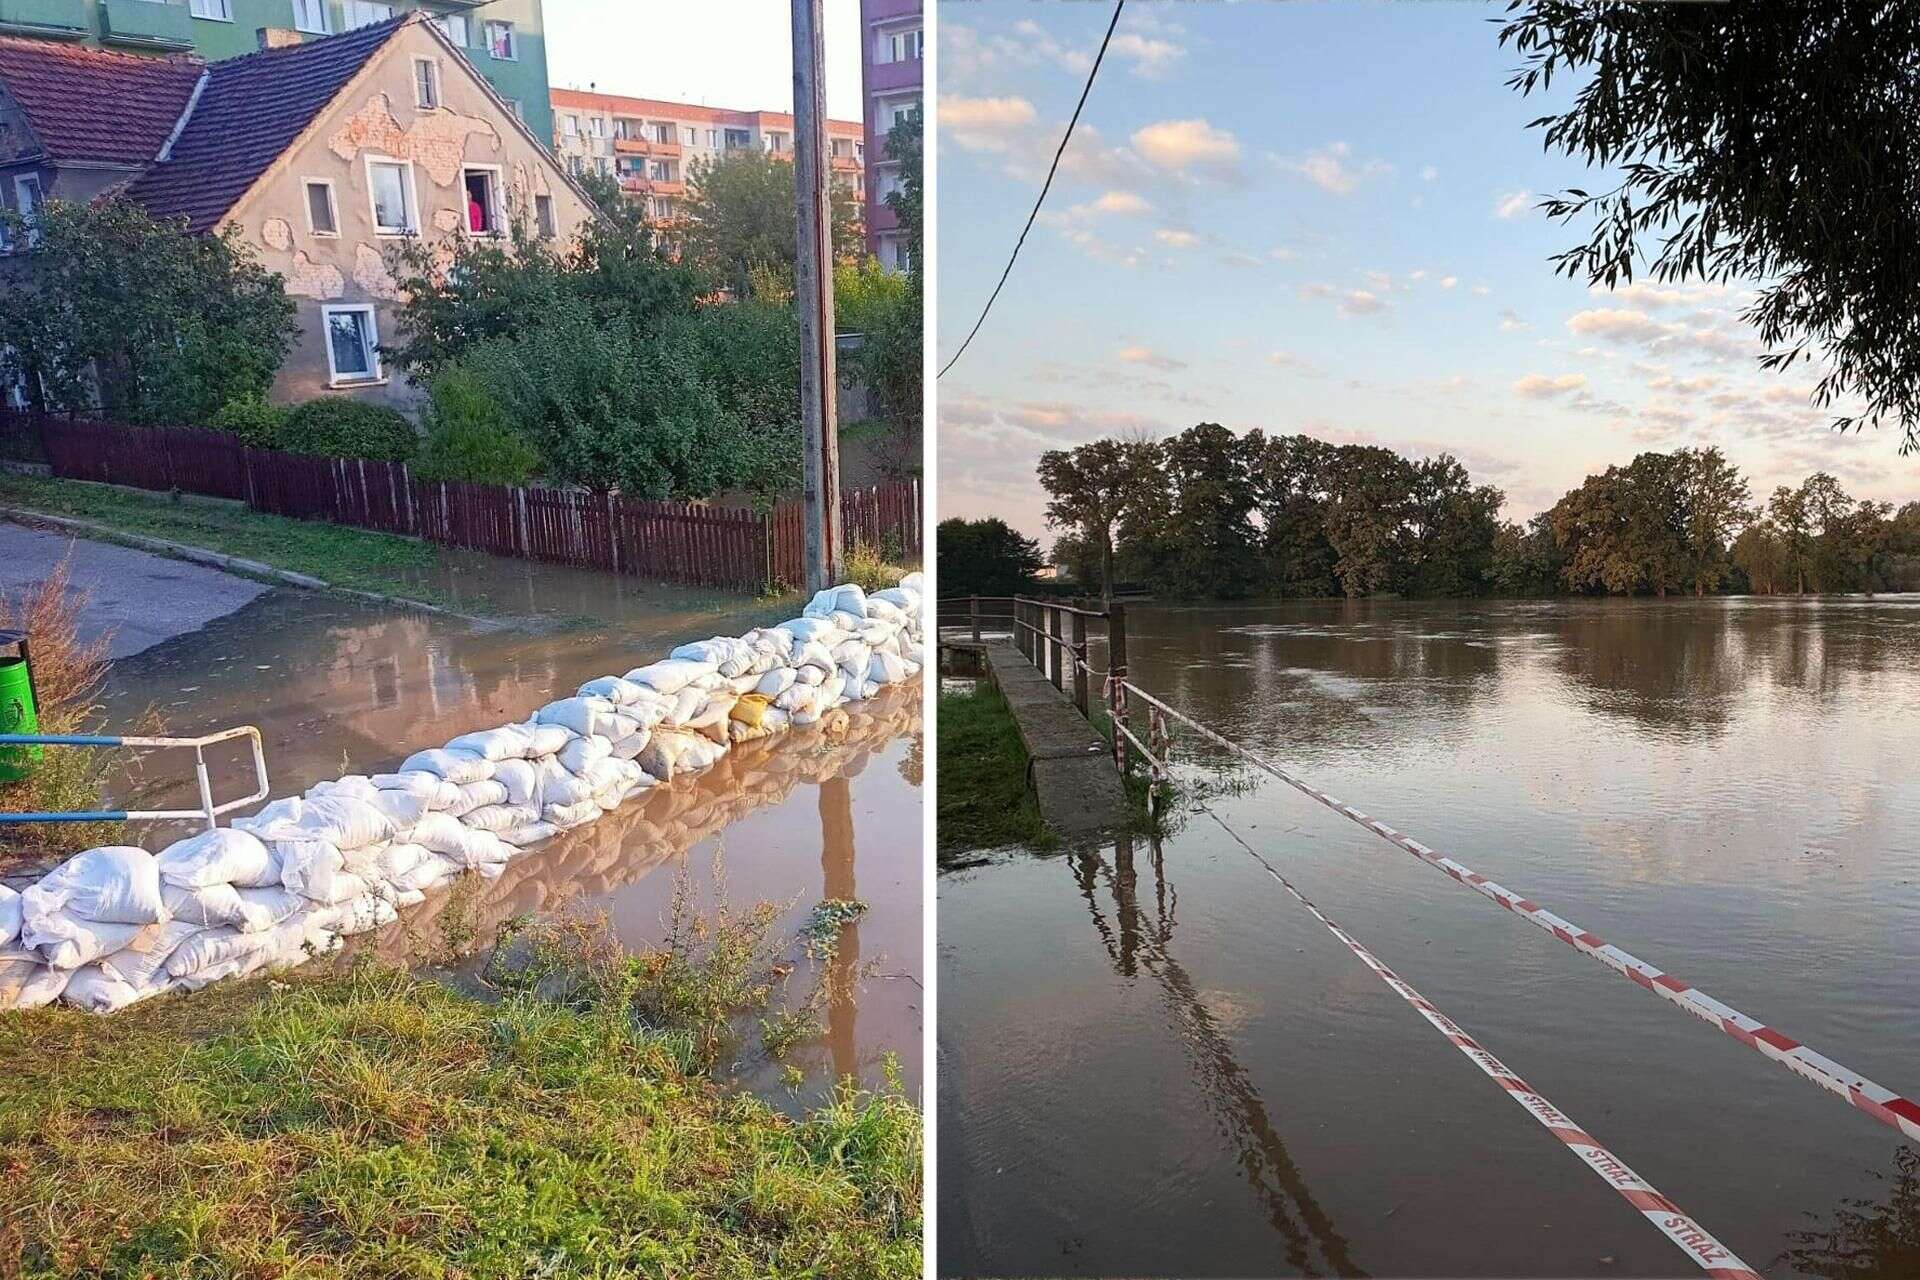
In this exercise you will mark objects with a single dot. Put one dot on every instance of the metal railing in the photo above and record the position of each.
(208, 809)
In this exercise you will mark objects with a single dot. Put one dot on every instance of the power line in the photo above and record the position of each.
(1044, 188)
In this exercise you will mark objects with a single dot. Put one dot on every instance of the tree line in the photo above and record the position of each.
(1211, 513)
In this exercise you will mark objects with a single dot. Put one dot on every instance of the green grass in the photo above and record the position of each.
(985, 801)
(373, 1124)
(351, 558)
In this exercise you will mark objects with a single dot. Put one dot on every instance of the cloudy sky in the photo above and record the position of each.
(1316, 219)
(720, 53)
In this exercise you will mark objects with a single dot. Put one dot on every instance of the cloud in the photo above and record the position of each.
(1188, 147)
(1349, 302)
(1616, 324)
(1428, 173)
(1541, 386)
(1627, 326)
(1447, 282)
(1510, 320)
(1137, 354)
(986, 124)
(1176, 239)
(1654, 297)
(1119, 202)
(1150, 57)
(1332, 169)
(1281, 254)
(1512, 205)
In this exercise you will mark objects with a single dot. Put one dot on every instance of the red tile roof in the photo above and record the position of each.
(681, 112)
(90, 104)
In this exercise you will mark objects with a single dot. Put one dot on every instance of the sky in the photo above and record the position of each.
(718, 53)
(1317, 219)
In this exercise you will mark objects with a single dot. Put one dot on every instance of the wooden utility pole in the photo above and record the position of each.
(813, 295)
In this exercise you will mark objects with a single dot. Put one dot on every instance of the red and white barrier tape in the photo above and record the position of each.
(1689, 1236)
(1883, 1104)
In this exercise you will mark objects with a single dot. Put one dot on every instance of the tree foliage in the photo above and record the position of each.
(1769, 142)
(742, 217)
(984, 558)
(337, 427)
(154, 326)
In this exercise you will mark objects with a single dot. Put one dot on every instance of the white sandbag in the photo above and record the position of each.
(454, 766)
(546, 739)
(846, 598)
(145, 962)
(811, 675)
(431, 870)
(532, 833)
(879, 610)
(356, 785)
(478, 795)
(775, 682)
(316, 869)
(817, 654)
(686, 705)
(202, 907)
(631, 745)
(501, 817)
(220, 856)
(402, 808)
(114, 884)
(915, 582)
(344, 821)
(672, 674)
(567, 816)
(466, 846)
(558, 786)
(583, 751)
(66, 941)
(728, 655)
(356, 915)
(615, 689)
(906, 600)
(810, 631)
(886, 668)
(271, 817)
(508, 742)
(211, 947)
(520, 779)
(267, 907)
(29, 984)
(9, 916)
(580, 715)
(414, 782)
(400, 858)
(95, 990)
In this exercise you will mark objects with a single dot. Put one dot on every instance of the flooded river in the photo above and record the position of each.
(337, 686)
(1153, 1061)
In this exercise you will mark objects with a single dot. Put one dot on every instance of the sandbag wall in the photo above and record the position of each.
(118, 924)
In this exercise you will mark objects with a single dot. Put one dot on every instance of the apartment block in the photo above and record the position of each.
(651, 146)
(504, 39)
(892, 75)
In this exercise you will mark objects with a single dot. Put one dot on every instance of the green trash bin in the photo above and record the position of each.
(17, 712)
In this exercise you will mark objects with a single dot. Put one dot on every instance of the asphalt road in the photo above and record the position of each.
(139, 598)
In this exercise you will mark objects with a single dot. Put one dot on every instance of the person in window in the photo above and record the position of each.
(476, 214)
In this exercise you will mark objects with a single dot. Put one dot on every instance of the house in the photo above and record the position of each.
(505, 39)
(320, 154)
(892, 80)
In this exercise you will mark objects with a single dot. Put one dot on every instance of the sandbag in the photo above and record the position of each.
(531, 833)
(775, 682)
(727, 655)
(750, 709)
(201, 907)
(431, 870)
(95, 990)
(356, 915)
(810, 631)
(583, 716)
(615, 689)
(344, 821)
(9, 916)
(508, 742)
(546, 739)
(846, 598)
(454, 766)
(558, 786)
(500, 817)
(581, 752)
(466, 846)
(671, 675)
(316, 869)
(271, 817)
(478, 795)
(145, 962)
(114, 884)
(27, 983)
(220, 856)
(886, 668)
(631, 745)
(210, 947)
(567, 816)
(520, 778)
(67, 941)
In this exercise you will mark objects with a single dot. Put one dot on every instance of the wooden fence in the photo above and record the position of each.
(683, 542)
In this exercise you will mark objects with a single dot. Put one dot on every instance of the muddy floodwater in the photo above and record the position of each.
(1153, 1061)
(337, 686)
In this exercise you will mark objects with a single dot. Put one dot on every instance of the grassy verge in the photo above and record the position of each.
(374, 1124)
(984, 797)
(352, 558)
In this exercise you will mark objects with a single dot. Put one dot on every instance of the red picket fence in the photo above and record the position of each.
(674, 541)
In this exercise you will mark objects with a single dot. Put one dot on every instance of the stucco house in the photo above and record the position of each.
(322, 154)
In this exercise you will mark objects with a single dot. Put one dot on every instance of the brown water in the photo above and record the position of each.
(336, 686)
(1152, 1061)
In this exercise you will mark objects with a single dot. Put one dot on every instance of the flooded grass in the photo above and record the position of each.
(984, 801)
(373, 1123)
(351, 558)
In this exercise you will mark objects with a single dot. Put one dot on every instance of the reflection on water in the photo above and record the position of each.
(1724, 787)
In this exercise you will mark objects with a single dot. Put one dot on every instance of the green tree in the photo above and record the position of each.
(1452, 527)
(1370, 492)
(1089, 489)
(1760, 552)
(154, 326)
(1206, 544)
(1292, 478)
(741, 216)
(1526, 560)
(904, 145)
(1787, 509)
(984, 558)
(1769, 142)
(1718, 502)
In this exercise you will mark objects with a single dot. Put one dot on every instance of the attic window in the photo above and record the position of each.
(426, 83)
(323, 218)
(543, 216)
(483, 201)
(391, 183)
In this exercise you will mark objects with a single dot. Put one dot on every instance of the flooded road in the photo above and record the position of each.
(1153, 1061)
(337, 686)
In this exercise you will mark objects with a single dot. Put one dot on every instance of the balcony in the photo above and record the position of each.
(891, 77)
(146, 24)
(845, 164)
(646, 147)
(47, 19)
(652, 187)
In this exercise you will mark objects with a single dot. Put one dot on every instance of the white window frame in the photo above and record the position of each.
(446, 21)
(372, 334)
(28, 209)
(570, 126)
(513, 41)
(224, 10)
(496, 215)
(545, 225)
(333, 206)
(323, 23)
(432, 67)
(410, 192)
(350, 9)
(895, 42)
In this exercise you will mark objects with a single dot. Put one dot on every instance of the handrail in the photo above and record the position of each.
(1063, 608)
(207, 810)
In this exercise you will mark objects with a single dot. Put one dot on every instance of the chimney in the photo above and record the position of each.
(277, 37)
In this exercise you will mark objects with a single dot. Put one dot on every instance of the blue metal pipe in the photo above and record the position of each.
(60, 740)
(109, 815)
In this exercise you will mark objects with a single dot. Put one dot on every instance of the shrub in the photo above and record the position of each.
(469, 437)
(337, 427)
(252, 419)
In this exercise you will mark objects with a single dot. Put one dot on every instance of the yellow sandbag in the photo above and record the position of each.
(750, 708)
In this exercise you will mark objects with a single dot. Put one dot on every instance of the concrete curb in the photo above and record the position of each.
(238, 565)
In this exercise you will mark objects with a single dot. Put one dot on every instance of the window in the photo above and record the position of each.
(660, 171)
(323, 216)
(310, 16)
(903, 46)
(500, 41)
(364, 13)
(456, 28)
(570, 125)
(513, 105)
(426, 83)
(737, 138)
(353, 345)
(482, 189)
(573, 165)
(26, 200)
(713, 137)
(690, 136)
(777, 143)
(663, 133)
(895, 112)
(543, 216)
(214, 10)
(390, 183)
(594, 125)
